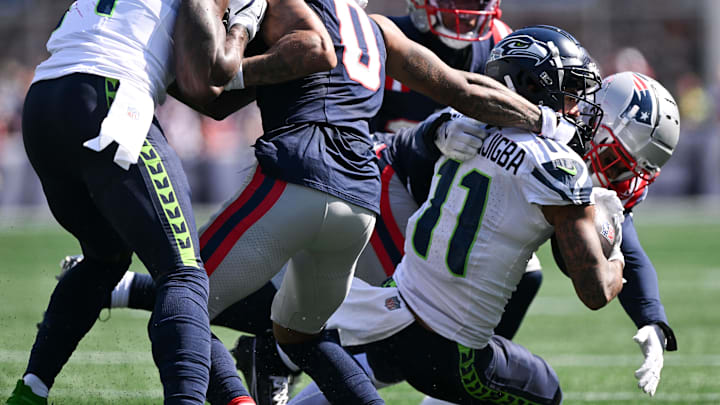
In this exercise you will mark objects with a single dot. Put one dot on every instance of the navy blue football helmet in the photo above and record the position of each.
(548, 66)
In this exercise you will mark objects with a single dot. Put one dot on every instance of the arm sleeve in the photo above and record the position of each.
(640, 296)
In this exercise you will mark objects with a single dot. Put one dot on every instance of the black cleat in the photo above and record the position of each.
(267, 378)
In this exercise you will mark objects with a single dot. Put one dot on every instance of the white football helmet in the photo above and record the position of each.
(457, 23)
(638, 133)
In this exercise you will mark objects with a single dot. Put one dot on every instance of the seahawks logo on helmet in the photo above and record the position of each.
(523, 46)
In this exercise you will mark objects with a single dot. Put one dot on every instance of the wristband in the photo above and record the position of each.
(237, 82)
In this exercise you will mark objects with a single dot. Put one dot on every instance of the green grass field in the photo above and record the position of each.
(592, 352)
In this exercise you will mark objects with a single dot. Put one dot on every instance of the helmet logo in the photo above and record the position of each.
(643, 100)
(523, 46)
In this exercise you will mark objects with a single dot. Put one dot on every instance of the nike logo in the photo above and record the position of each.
(571, 172)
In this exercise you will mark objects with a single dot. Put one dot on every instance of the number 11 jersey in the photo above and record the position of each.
(469, 243)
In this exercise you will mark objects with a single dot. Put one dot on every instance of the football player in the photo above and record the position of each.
(638, 133)
(316, 170)
(112, 181)
(469, 243)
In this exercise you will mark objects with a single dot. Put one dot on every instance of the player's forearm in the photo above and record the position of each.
(474, 95)
(295, 55)
(498, 105)
(206, 57)
(640, 296)
(596, 280)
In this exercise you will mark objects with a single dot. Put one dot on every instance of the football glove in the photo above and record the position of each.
(651, 340)
(248, 13)
(460, 138)
(553, 127)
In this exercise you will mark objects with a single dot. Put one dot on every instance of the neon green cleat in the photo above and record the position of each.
(23, 395)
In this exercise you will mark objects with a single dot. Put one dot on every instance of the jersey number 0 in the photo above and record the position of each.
(362, 66)
(476, 185)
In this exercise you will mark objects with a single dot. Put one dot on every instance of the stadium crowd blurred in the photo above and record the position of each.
(666, 44)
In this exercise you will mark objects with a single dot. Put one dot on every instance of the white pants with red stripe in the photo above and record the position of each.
(271, 222)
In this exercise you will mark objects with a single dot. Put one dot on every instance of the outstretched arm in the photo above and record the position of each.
(596, 279)
(474, 95)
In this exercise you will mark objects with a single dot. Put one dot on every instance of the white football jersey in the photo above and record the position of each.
(469, 243)
(120, 39)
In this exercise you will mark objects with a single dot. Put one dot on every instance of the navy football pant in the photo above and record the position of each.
(114, 212)
(501, 373)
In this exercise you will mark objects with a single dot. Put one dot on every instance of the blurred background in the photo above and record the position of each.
(672, 41)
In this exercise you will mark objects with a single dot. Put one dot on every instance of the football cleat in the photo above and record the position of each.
(23, 395)
(267, 378)
(68, 263)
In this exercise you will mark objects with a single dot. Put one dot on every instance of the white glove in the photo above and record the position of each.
(652, 343)
(248, 13)
(554, 127)
(460, 138)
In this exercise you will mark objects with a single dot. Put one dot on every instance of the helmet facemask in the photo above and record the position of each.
(611, 164)
(457, 23)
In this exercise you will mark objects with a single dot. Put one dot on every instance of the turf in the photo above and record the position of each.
(592, 352)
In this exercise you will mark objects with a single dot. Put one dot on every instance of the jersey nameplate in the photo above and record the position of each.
(503, 152)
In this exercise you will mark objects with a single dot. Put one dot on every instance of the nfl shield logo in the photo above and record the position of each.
(392, 303)
(608, 232)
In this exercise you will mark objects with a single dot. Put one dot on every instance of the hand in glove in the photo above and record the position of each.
(652, 343)
(460, 138)
(247, 13)
(554, 127)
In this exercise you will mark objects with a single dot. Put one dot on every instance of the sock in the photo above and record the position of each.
(36, 385)
(179, 330)
(339, 377)
(225, 387)
(518, 304)
(121, 293)
(246, 400)
(142, 292)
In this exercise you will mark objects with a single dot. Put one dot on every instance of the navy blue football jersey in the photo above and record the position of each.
(346, 96)
(403, 107)
(317, 127)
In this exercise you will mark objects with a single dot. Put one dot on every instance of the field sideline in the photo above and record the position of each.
(592, 352)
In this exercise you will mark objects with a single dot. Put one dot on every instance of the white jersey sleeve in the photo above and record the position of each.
(556, 175)
(128, 40)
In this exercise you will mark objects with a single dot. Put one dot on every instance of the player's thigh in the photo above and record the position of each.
(318, 277)
(502, 372)
(250, 239)
(58, 116)
(513, 370)
(148, 205)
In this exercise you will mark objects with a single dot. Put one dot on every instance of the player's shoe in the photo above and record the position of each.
(267, 378)
(68, 263)
(23, 395)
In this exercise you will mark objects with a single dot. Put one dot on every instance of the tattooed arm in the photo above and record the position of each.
(299, 45)
(596, 280)
(474, 95)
